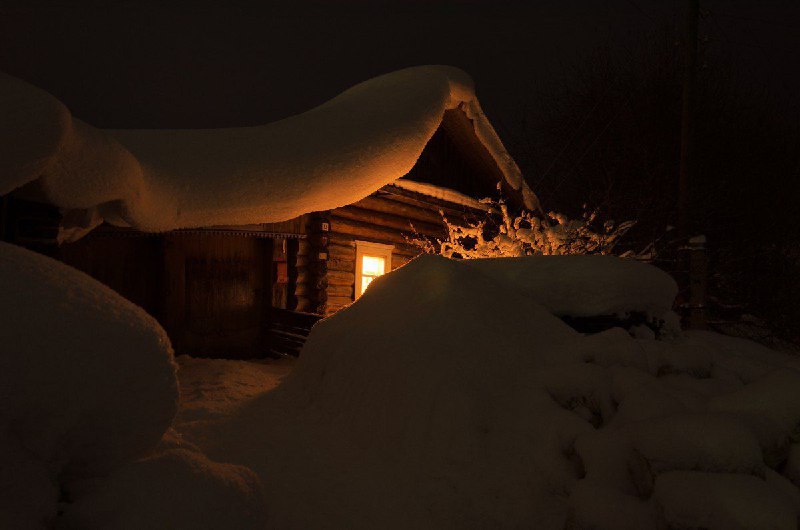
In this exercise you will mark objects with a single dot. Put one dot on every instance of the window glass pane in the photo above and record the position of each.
(365, 281)
(373, 265)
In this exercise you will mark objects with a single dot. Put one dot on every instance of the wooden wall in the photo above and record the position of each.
(385, 217)
(217, 294)
(132, 266)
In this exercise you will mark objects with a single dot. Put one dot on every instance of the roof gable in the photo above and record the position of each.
(457, 158)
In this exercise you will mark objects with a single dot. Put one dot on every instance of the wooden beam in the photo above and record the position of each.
(341, 278)
(340, 290)
(392, 221)
(386, 203)
(339, 301)
(363, 230)
(342, 251)
(344, 265)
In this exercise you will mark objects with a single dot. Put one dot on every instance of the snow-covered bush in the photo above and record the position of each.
(526, 234)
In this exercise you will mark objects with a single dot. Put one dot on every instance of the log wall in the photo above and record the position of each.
(389, 216)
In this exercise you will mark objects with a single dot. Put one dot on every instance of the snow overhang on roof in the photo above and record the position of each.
(157, 180)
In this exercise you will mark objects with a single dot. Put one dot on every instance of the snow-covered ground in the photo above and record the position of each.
(451, 395)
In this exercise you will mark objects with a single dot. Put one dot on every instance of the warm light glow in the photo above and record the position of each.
(373, 266)
(365, 281)
(372, 260)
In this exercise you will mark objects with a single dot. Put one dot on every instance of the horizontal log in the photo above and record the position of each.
(385, 204)
(400, 223)
(342, 240)
(342, 251)
(340, 290)
(339, 301)
(344, 265)
(408, 251)
(399, 261)
(345, 240)
(360, 230)
(341, 278)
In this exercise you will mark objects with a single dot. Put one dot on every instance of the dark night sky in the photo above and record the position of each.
(146, 65)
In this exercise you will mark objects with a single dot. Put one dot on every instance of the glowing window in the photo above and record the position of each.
(372, 260)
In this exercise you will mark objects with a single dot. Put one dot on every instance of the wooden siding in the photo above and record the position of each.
(388, 216)
(211, 291)
(132, 266)
(217, 293)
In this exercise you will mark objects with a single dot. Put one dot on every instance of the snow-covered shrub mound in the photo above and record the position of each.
(87, 380)
(175, 489)
(722, 500)
(451, 395)
(586, 286)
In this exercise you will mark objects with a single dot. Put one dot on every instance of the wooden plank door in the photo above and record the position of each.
(218, 294)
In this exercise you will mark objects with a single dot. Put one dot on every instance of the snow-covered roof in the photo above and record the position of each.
(156, 180)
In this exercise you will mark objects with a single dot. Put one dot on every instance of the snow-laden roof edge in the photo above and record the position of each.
(154, 180)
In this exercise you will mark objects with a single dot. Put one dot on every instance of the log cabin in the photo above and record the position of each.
(255, 290)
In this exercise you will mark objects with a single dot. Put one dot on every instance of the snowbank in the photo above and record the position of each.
(153, 180)
(178, 489)
(76, 354)
(452, 395)
(582, 286)
(722, 500)
(87, 381)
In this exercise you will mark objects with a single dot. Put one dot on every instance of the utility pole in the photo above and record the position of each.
(694, 253)
(685, 172)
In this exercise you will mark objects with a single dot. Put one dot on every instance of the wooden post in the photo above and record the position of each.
(698, 282)
(319, 228)
(292, 247)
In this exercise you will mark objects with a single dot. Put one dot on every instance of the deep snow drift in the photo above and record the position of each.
(87, 390)
(154, 180)
(448, 396)
(87, 381)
